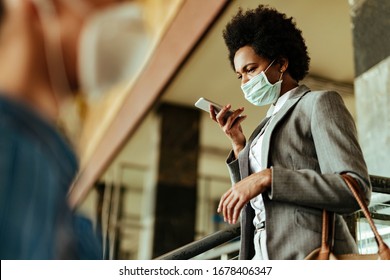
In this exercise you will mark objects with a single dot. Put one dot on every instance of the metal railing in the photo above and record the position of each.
(200, 246)
(193, 249)
(380, 184)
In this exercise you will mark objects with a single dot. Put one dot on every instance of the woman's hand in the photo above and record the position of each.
(235, 198)
(231, 126)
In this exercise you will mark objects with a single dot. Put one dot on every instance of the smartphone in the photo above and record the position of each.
(204, 104)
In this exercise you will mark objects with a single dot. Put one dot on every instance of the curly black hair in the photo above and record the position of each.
(271, 34)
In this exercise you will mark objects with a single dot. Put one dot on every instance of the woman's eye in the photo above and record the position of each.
(239, 77)
(251, 70)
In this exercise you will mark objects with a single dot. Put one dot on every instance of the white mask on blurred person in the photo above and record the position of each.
(113, 46)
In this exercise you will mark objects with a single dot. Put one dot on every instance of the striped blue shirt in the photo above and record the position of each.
(37, 167)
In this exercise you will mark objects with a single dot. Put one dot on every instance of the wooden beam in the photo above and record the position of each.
(186, 30)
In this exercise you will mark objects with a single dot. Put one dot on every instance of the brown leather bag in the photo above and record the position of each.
(325, 251)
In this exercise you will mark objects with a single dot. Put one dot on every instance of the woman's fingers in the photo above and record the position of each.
(237, 211)
(222, 200)
(230, 206)
(225, 117)
(213, 114)
(223, 204)
(221, 117)
(230, 123)
(225, 207)
(235, 198)
(232, 118)
(230, 209)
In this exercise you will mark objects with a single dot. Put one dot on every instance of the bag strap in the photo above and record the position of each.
(324, 252)
(328, 226)
(383, 249)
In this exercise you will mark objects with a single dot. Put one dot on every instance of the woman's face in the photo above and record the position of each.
(248, 64)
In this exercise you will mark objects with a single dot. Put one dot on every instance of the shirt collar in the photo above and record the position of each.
(280, 102)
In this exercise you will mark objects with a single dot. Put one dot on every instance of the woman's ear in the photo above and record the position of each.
(283, 64)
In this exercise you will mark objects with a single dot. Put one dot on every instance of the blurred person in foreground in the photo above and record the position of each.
(290, 168)
(39, 56)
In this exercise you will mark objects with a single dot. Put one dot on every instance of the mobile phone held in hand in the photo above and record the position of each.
(204, 104)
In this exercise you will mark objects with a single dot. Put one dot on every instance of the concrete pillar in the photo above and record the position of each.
(177, 178)
(371, 36)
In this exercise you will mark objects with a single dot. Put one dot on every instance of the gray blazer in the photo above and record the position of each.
(308, 143)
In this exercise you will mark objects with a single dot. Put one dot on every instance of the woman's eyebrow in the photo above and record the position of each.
(245, 67)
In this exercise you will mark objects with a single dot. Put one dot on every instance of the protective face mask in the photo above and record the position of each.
(259, 91)
(113, 46)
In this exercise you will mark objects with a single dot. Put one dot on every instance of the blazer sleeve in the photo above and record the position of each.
(233, 167)
(334, 135)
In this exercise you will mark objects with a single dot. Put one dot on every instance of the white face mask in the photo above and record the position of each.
(113, 46)
(259, 91)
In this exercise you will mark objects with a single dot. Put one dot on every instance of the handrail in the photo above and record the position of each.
(200, 246)
(379, 185)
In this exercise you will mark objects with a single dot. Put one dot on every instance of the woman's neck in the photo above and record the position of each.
(288, 84)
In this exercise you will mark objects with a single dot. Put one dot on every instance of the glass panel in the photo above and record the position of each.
(365, 237)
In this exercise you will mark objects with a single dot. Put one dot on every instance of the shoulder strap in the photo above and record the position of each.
(383, 249)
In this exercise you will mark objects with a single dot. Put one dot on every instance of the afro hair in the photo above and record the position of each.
(271, 34)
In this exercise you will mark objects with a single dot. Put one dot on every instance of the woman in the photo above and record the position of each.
(290, 168)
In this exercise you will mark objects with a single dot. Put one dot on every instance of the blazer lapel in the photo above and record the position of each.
(290, 103)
